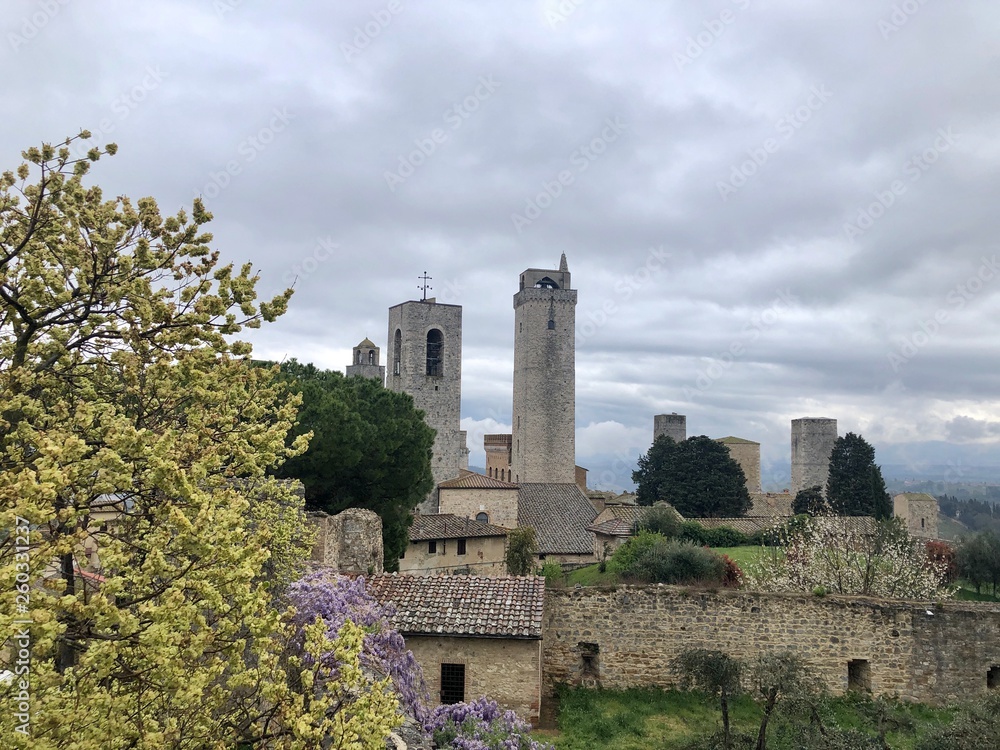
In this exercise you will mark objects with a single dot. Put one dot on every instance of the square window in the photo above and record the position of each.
(859, 675)
(461, 546)
(432, 547)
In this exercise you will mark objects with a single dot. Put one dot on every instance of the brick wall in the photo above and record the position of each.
(626, 636)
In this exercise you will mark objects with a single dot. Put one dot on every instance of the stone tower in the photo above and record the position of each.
(544, 415)
(364, 362)
(812, 443)
(497, 449)
(425, 360)
(672, 425)
(747, 454)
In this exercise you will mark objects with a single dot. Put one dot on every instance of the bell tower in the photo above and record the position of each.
(425, 360)
(544, 416)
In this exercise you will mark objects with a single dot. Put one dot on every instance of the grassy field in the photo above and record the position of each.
(668, 719)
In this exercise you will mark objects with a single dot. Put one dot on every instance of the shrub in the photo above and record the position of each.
(943, 554)
(625, 556)
(678, 563)
(660, 519)
(732, 576)
(723, 536)
(480, 725)
(553, 573)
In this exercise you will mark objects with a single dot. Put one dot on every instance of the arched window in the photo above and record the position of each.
(435, 352)
(371, 356)
(357, 358)
(482, 517)
(397, 351)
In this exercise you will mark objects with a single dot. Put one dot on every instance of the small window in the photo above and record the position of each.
(482, 517)
(859, 675)
(371, 356)
(552, 325)
(993, 678)
(435, 352)
(921, 523)
(461, 546)
(432, 547)
(357, 359)
(452, 683)
(397, 350)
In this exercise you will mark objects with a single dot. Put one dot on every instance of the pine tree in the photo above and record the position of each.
(855, 486)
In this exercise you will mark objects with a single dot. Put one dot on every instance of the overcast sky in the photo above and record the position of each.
(771, 208)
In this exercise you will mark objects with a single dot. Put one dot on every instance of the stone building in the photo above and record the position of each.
(560, 515)
(672, 425)
(498, 456)
(480, 498)
(544, 413)
(364, 362)
(919, 512)
(812, 443)
(472, 635)
(446, 544)
(747, 454)
(425, 361)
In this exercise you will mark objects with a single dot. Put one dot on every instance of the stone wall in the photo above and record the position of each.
(507, 670)
(626, 636)
(350, 541)
(484, 556)
(747, 454)
(499, 504)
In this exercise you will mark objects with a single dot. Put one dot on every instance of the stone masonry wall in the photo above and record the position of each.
(671, 425)
(812, 442)
(499, 504)
(507, 670)
(350, 541)
(626, 636)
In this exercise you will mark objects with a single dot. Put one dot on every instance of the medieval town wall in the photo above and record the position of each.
(626, 636)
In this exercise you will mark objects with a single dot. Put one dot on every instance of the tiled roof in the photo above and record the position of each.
(618, 520)
(731, 440)
(448, 526)
(747, 525)
(777, 504)
(915, 496)
(471, 480)
(508, 607)
(559, 514)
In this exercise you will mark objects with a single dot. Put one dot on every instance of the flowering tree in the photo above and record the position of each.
(335, 600)
(826, 555)
(480, 725)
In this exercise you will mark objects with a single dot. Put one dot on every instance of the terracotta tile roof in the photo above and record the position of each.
(746, 525)
(448, 526)
(618, 520)
(471, 480)
(508, 607)
(559, 514)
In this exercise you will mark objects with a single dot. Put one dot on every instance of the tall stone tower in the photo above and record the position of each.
(812, 443)
(747, 454)
(544, 416)
(425, 360)
(364, 362)
(672, 425)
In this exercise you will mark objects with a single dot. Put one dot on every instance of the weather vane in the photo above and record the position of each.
(424, 287)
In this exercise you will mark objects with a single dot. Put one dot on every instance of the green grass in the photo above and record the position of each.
(743, 556)
(591, 576)
(950, 529)
(967, 593)
(651, 718)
